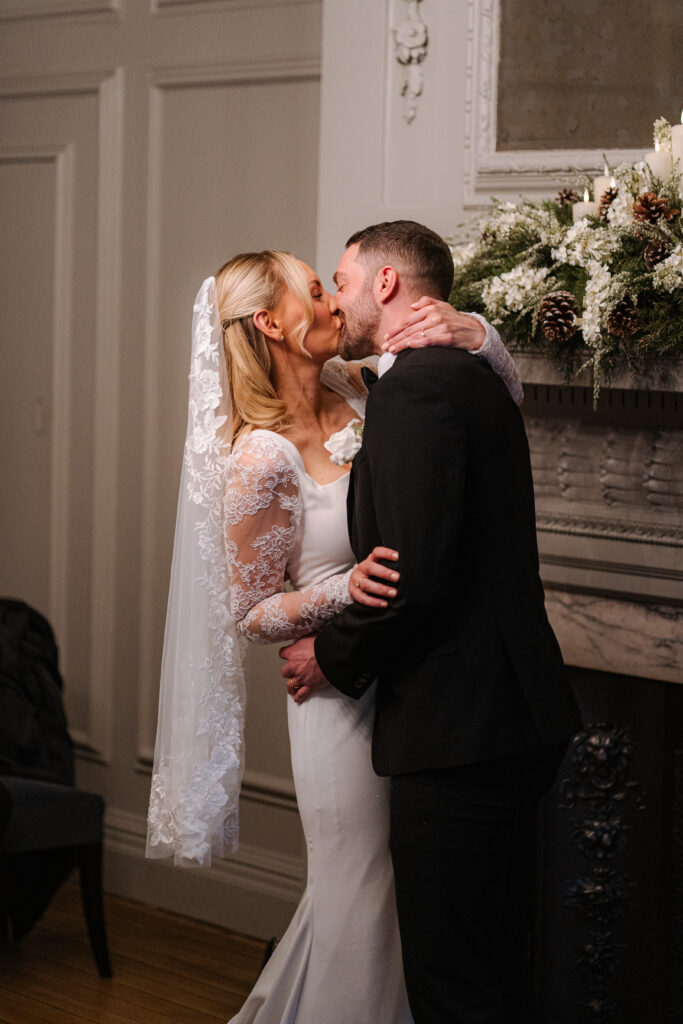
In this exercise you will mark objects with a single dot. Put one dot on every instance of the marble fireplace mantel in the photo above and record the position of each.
(535, 368)
(609, 504)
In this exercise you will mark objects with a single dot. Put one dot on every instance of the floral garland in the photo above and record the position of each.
(603, 290)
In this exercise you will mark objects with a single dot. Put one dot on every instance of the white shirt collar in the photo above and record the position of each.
(386, 361)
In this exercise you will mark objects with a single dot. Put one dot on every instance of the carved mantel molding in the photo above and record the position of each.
(609, 510)
(535, 368)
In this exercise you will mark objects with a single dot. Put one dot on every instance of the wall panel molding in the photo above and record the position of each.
(78, 83)
(29, 10)
(257, 870)
(106, 426)
(93, 743)
(161, 80)
(166, 7)
(487, 171)
(62, 157)
(235, 73)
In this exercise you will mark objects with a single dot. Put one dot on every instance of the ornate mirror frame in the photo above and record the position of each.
(505, 174)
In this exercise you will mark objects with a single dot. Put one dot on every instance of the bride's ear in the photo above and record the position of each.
(263, 319)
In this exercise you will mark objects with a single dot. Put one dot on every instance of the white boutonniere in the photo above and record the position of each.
(344, 445)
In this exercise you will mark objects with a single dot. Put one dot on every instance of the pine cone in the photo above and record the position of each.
(656, 250)
(649, 207)
(566, 196)
(623, 320)
(557, 316)
(606, 200)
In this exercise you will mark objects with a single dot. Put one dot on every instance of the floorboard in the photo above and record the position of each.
(167, 969)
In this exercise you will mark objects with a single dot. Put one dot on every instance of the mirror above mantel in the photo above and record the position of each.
(553, 88)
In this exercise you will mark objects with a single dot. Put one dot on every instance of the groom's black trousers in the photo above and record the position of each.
(463, 843)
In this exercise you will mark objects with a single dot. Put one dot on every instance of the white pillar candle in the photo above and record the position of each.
(585, 209)
(601, 184)
(677, 148)
(660, 162)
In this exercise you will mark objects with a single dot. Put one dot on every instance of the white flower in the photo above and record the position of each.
(462, 254)
(551, 232)
(668, 274)
(661, 133)
(583, 243)
(620, 213)
(596, 301)
(630, 178)
(344, 445)
(516, 290)
(509, 217)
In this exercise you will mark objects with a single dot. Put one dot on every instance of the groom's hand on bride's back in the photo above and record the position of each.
(301, 670)
(434, 322)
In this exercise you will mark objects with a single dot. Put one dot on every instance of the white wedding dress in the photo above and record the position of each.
(339, 962)
(340, 959)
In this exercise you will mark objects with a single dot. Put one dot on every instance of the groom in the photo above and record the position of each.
(474, 709)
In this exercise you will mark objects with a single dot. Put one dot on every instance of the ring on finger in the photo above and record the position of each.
(422, 334)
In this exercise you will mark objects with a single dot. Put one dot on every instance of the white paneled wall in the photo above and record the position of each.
(374, 165)
(142, 143)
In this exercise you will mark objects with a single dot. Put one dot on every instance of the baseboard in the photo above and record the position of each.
(254, 891)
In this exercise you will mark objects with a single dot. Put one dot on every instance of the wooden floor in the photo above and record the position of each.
(167, 969)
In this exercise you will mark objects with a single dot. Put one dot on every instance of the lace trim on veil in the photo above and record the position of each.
(193, 811)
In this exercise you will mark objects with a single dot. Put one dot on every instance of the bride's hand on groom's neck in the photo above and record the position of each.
(434, 322)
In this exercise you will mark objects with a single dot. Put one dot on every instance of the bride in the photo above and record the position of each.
(262, 503)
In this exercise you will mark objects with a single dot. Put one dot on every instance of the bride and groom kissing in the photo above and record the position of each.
(473, 708)
(437, 667)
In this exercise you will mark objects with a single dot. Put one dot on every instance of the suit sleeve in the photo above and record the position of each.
(417, 453)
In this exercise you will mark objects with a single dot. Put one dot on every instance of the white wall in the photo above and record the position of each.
(374, 165)
(142, 144)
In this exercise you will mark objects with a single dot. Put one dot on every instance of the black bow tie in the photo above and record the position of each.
(369, 376)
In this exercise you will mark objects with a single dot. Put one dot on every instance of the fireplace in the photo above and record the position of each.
(609, 935)
(608, 944)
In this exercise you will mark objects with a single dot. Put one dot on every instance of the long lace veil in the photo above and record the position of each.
(193, 811)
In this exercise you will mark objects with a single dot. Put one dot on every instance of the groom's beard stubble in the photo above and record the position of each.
(361, 325)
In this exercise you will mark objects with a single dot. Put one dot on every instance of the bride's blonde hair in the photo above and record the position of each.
(245, 284)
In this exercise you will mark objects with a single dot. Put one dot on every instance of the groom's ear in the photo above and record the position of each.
(386, 283)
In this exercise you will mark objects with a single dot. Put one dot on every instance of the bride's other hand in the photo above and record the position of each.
(434, 322)
(364, 582)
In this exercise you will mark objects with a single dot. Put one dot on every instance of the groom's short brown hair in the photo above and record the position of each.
(414, 248)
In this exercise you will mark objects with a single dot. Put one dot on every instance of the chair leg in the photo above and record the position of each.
(90, 868)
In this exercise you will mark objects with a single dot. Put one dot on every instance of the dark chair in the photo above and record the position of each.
(47, 826)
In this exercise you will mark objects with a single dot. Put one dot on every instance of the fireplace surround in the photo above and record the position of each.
(608, 941)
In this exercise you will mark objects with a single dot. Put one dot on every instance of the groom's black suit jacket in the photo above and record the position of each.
(468, 666)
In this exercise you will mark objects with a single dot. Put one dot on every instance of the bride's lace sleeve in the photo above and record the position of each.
(263, 513)
(497, 356)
